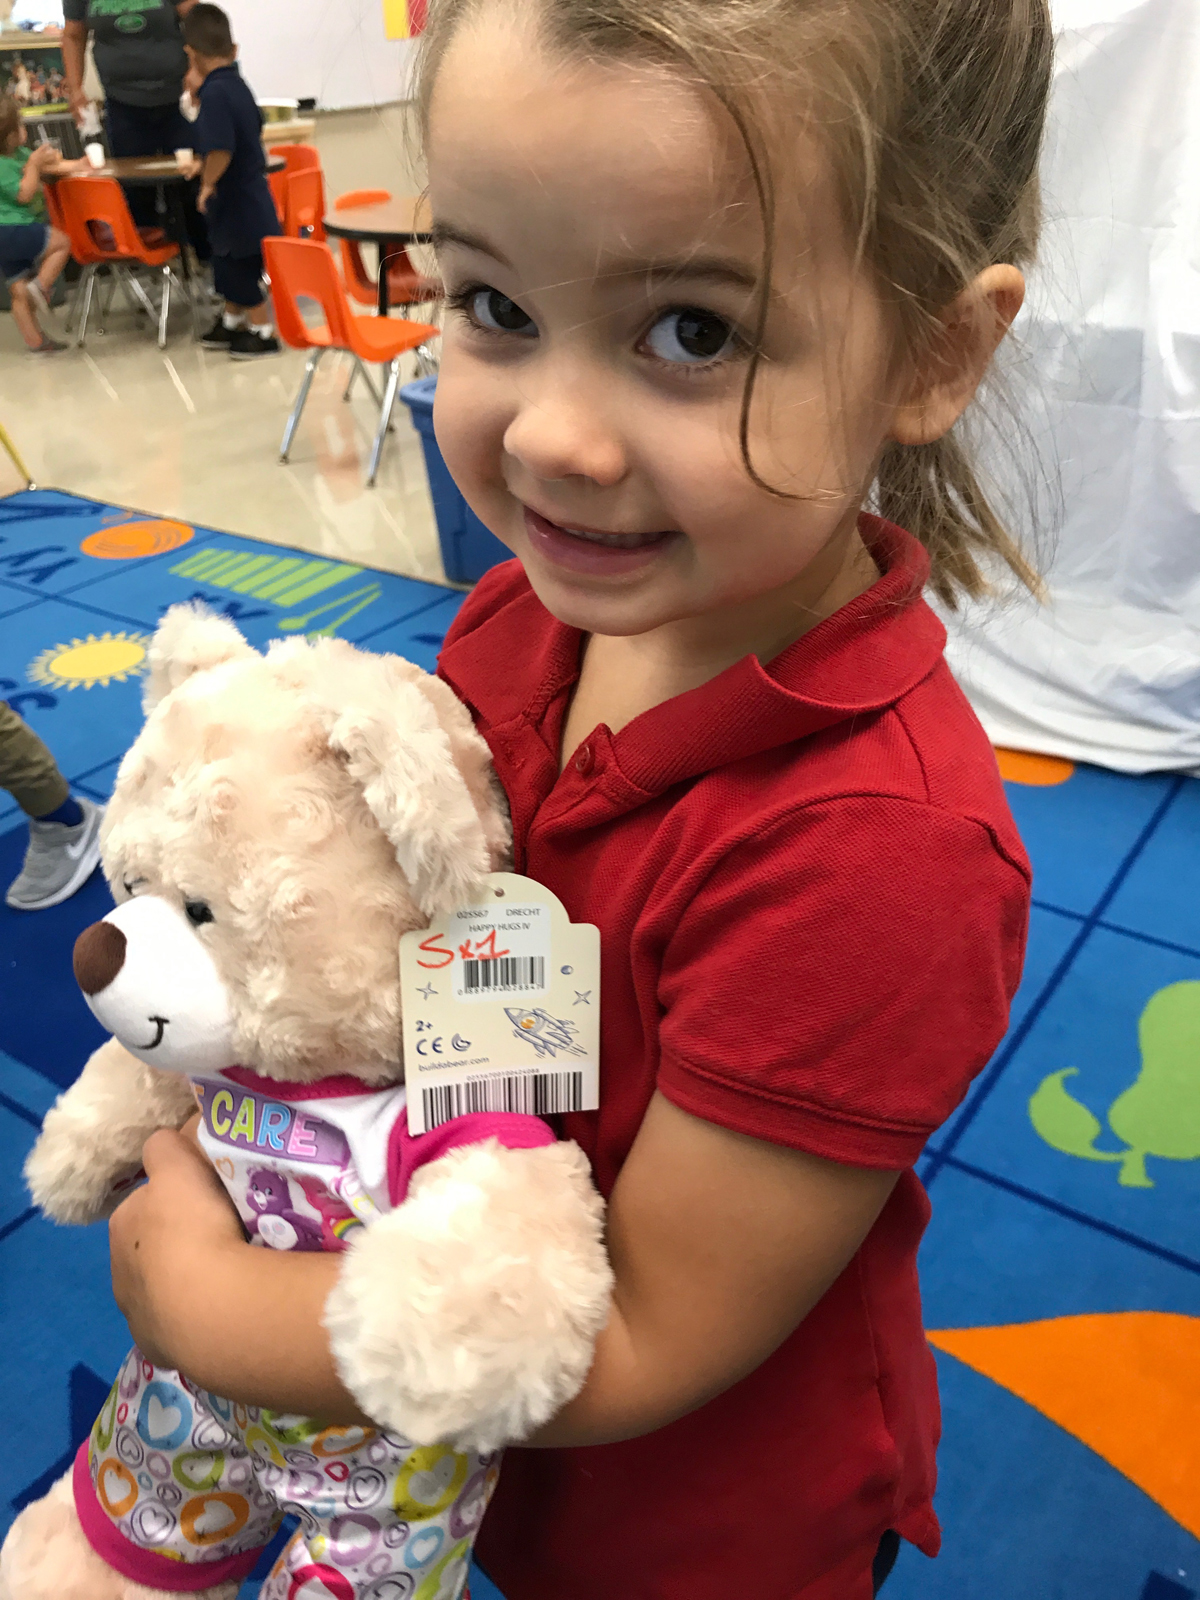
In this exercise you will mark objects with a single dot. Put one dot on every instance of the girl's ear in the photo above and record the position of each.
(944, 383)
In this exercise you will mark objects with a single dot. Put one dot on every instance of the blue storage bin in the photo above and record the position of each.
(468, 548)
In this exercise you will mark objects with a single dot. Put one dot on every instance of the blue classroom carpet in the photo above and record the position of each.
(1061, 1272)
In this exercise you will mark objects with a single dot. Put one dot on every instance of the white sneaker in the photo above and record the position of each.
(59, 860)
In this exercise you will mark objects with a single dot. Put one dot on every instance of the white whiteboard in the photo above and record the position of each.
(333, 51)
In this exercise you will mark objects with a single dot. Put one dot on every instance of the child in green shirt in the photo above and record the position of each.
(32, 253)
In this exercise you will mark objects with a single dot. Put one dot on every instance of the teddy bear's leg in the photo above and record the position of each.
(47, 1557)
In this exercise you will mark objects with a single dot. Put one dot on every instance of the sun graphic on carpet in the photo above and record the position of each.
(99, 659)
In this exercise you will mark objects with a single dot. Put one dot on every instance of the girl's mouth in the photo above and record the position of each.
(590, 549)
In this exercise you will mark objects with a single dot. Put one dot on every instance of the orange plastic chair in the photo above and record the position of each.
(405, 285)
(304, 204)
(298, 157)
(96, 219)
(302, 269)
(277, 183)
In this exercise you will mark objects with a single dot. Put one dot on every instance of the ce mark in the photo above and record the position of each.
(434, 1046)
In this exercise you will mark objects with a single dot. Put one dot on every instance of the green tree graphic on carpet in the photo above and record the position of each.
(1158, 1115)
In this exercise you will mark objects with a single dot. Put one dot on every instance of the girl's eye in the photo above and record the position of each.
(494, 310)
(690, 336)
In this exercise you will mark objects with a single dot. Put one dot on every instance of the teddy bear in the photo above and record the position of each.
(280, 821)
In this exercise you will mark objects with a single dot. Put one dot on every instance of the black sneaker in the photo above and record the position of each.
(248, 346)
(219, 337)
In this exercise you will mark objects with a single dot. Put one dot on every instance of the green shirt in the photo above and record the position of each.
(14, 212)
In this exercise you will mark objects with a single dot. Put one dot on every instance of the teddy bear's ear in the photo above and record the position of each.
(190, 638)
(399, 754)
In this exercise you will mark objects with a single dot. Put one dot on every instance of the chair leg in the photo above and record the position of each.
(140, 299)
(72, 305)
(427, 361)
(385, 416)
(358, 368)
(164, 309)
(86, 285)
(310, 367)
(106, 296)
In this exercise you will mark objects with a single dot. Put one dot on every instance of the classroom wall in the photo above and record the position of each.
(368, 149)
(333, 51)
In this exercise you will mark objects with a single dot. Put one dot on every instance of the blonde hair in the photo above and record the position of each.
(932, 112)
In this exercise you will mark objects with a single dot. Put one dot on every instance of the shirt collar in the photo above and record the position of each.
(858, 661)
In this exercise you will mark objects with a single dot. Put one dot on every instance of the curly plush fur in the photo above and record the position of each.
(444, 1342)
(93, 1134)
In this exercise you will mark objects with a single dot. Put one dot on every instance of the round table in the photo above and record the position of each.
(390, 225)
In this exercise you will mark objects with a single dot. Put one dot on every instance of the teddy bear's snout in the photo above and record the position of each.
(99, 956)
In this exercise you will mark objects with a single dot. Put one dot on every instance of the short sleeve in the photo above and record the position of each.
(74, 10)
(11, 173)
(840, 978)
(214, 128)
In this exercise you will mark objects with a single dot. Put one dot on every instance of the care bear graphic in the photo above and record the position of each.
(276, 1222)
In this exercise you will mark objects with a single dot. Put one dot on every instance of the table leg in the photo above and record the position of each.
(383, 276)
(179, 229)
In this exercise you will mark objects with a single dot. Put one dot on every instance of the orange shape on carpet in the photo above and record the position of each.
(125, 541)
(1125, 1383)
(1039, 772)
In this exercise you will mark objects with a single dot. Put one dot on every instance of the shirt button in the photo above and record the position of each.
(585, 760)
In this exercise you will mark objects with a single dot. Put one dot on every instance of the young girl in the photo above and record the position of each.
(32, 254)
(718, 273)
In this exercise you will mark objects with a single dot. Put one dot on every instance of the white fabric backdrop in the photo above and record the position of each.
(1109, 670)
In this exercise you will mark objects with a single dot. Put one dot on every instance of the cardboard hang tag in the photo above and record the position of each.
(501, 1004)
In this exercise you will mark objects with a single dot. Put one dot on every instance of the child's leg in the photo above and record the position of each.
(27, 769)
(23, 314)
(55, 258)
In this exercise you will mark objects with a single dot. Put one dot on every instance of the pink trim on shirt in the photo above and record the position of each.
(335, 1088)
(145, 1566)
(407, 1152)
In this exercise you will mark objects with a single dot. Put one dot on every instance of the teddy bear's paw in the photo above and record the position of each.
(469, 1314)
(70, 1175)
(91, 1141)
(46, 1556)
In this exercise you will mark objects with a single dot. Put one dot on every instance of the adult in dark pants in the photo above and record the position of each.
(140, 58)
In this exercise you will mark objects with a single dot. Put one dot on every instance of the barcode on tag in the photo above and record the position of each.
(505, 975)
(530, 1094)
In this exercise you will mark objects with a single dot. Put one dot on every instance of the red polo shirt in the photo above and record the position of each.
(812, 904)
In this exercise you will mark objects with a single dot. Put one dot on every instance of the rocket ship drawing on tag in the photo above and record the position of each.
(548, 1035)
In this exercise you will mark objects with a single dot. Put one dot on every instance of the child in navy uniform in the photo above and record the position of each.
(234, 194)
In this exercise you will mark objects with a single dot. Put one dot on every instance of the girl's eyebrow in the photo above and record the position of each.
(444, 233)
(719, 269)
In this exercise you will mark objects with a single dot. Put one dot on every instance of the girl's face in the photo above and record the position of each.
(600, 241)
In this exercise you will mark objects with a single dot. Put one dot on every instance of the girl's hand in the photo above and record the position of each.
(166, 1240)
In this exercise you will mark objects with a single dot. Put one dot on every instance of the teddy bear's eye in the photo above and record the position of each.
(197, 912)
(132, 885)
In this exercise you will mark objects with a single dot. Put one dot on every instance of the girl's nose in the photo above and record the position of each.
(559, 433)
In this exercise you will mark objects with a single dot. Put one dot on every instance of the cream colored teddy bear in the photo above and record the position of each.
(279, 823)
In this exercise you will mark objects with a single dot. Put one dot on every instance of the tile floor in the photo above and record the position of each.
(187, 433)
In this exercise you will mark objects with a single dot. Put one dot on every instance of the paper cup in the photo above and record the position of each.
(95, 154)
(182, 157)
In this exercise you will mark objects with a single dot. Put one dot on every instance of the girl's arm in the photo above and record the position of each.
(41, 160)
(721, 1245)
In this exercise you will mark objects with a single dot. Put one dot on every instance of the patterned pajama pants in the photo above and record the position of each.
(179, 1489)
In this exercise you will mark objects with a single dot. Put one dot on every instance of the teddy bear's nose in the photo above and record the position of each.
(99, 956)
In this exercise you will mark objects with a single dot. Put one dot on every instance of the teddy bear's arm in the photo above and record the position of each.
(93, 1134)
(469, 1314)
